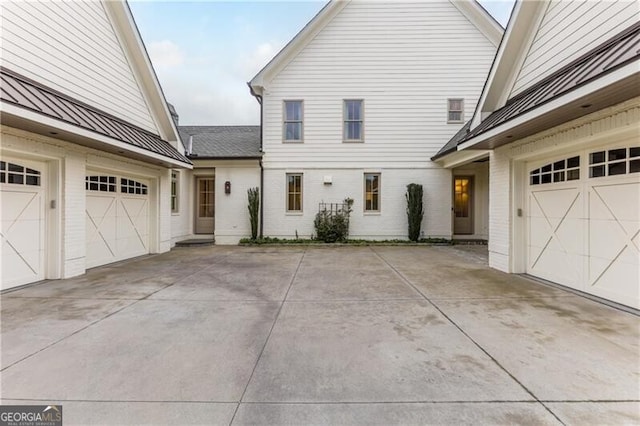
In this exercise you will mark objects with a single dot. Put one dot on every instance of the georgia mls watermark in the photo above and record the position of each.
(30, 415)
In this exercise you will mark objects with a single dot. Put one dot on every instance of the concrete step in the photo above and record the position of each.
(196, 242)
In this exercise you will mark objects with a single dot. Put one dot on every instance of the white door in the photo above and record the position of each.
(583, 222)
(22, 196)
(117, 218)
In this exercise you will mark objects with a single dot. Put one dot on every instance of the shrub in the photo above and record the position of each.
(253, 194)
(414, 210)
(333, 225)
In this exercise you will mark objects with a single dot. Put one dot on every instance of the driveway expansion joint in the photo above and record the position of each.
(409, 283)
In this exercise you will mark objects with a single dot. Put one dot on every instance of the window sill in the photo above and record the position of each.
(372, 213)
(294, 213)
(455, 122)
(294, 141)
(353, 141)
(175, 213)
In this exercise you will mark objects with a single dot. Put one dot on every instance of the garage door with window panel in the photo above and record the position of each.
(583, 222)
(117, 218)
(22, 191)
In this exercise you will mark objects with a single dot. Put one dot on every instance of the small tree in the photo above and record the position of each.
(414, 210)
(253, 194)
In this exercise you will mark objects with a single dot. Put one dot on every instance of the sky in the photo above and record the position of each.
(205, 52)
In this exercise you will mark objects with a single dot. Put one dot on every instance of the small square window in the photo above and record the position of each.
(634, 166)
(558, 165)
(546, 178)
(619, 168)
(634, 152)
(535, 180)
(596, 171)
(558, 176)
(596, 157)
(573, 162)
(573, 174)
(617, 154)
(455, 110)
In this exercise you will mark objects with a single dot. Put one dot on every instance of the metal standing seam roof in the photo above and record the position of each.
(226, 142)
(616, 52)
(25, 93)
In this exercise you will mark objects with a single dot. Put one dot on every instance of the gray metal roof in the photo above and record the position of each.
(452, 145)
(222, 141)
(620, 50)
(25, 93)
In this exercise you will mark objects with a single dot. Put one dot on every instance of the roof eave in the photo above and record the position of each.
(25, 119)
(610, 89)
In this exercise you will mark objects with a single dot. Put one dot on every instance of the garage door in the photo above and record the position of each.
(583, 222)
(117, 218)
(23, 221)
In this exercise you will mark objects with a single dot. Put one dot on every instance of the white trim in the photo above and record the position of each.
(521, 30)
(459, 158)
(628, 70)
(479, 17)
(58, 125)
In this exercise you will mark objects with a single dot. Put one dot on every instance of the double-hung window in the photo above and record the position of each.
(455, 111)
(372, 192)
(294, 192)
(293, 121)
(353, 127)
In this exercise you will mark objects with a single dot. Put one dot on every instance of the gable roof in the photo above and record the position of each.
(620, 50)
(222, 142)
(471, 9)
(29, 95)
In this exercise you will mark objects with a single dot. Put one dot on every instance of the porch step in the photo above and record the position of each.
(196, 242)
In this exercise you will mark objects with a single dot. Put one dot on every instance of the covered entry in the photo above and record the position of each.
(117, 218)
(583, 221)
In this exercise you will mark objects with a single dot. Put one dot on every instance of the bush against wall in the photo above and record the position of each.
(332, 221)
(414, 210)
(253, 194)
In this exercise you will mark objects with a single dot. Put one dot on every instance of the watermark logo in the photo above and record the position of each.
(30, 415)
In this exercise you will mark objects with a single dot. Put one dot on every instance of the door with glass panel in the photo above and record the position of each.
(205, 205)
(463, 205)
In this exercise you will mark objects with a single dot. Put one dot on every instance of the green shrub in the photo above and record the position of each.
(332, 226)
(414, 210)
(253, 194)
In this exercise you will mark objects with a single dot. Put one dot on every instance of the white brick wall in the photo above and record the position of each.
(499, 209)
(73, 205)
(390, 223)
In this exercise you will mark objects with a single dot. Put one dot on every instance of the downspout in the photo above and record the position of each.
(261, 170)
(259, 99)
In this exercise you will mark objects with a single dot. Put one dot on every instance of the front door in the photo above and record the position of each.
(205, 205)
(463, 205)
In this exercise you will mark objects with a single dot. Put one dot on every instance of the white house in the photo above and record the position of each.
(559, 122)
(358, 102)
(88, 143)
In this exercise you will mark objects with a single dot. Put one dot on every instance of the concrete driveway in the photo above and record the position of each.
(318, 335)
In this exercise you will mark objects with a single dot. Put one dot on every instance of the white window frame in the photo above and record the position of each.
(378, 193)
(287, 193)
(450, 110)
(345, 121)
(175, 191)
(285, 121)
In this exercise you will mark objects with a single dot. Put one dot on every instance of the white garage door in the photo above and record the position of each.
(23, 221)
(117, 218)
(583, 222)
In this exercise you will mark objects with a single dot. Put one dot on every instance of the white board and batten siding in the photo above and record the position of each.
(403, 60)
(568, 30)
(73, 48)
